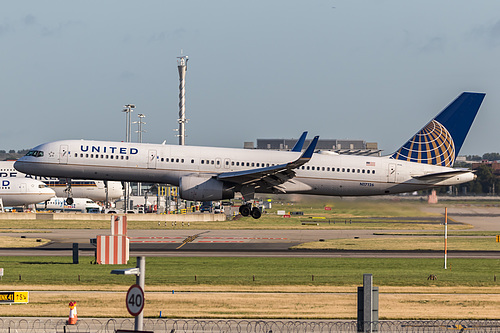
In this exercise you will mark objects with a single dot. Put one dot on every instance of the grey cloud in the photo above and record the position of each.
(158, 37)
(29, 20)
(162, 36)
(489, 34)
(127, 75)
(494, 33)
(59, 28)
(435, 44)
(4, 28)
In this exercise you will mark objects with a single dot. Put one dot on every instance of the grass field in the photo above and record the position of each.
(345, 214)
(304, 288)
(402, 243)
(248, 272)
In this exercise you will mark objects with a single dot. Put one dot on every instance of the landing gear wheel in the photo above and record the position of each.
(69, 192)
(244, 210)
(256, 213)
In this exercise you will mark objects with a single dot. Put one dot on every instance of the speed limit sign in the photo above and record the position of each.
(135, 300)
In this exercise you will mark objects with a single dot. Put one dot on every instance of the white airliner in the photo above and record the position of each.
(83, 205)
(92, 189)
(23, 191)
(212, 173)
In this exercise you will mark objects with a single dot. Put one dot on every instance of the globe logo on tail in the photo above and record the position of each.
(433, 144)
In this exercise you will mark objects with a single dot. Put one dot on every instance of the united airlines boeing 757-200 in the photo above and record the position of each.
(212, 173)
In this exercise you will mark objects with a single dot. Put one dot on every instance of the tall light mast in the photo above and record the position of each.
(128, 110)
(182, 67)
(139, 139)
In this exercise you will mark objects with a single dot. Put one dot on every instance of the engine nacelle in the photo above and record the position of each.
(203, 188)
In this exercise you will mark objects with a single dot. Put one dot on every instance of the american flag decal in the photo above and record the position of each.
(370, 163)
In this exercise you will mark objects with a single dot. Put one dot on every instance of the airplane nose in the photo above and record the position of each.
(21, 166)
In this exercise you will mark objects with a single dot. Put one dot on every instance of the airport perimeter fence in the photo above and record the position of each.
(245, 326)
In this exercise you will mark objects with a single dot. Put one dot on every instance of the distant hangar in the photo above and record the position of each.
(348, 147)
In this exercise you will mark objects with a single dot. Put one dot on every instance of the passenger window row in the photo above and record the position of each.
(353, 170)
(233, 163)
(102, 156)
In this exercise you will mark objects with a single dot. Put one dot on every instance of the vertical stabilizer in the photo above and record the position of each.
(440, 141)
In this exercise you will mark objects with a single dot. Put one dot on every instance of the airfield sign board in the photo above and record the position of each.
(135, 300)
(10, 297)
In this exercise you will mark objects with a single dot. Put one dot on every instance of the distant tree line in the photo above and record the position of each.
(487, 182)
(486, 156)
(12, 154)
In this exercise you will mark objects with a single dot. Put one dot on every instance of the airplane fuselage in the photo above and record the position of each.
(324, 174)
(21, 191)
(92, 189)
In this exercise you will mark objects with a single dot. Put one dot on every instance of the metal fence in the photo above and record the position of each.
(253, 326)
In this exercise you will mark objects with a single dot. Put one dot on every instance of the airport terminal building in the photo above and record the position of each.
(349, 147)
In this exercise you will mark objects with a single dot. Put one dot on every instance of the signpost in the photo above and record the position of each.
(11, 297)
(135, 300)
(135, 294)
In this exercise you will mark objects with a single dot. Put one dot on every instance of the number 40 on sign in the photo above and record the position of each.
(135, 300)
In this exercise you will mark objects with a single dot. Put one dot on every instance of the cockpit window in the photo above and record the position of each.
(35, 153)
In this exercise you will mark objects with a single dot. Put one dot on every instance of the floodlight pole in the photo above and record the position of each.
(445, 236)
(127, 109)
(182, 68)
(139, 139)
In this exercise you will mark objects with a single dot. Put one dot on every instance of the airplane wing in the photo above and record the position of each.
(440, 176)
(270, 176)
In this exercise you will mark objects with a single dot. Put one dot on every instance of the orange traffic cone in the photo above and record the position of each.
(72, 313)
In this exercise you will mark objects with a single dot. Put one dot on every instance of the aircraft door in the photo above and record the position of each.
(227, 163)
(218, 163)
(63, 154)
(391, 176)
(152, 159)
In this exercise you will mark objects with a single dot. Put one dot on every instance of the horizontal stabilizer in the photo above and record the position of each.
(439, 176)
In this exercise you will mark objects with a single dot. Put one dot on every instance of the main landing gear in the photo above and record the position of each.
(69, 192)
(247, 209)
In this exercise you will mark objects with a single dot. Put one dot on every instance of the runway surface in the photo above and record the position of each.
(184, 242)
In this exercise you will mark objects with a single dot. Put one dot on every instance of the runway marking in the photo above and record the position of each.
(151, 241)
(156, 237)
(193, 238)
(187, 240)
(271, 238)
(221, 241)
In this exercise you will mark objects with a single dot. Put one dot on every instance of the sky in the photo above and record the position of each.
(367, 70)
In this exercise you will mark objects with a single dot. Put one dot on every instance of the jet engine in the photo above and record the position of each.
(204, 188)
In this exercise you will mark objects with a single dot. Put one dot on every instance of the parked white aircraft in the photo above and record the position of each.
(92, 189)
(23, 191)
(83, 205)
(211, 173)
